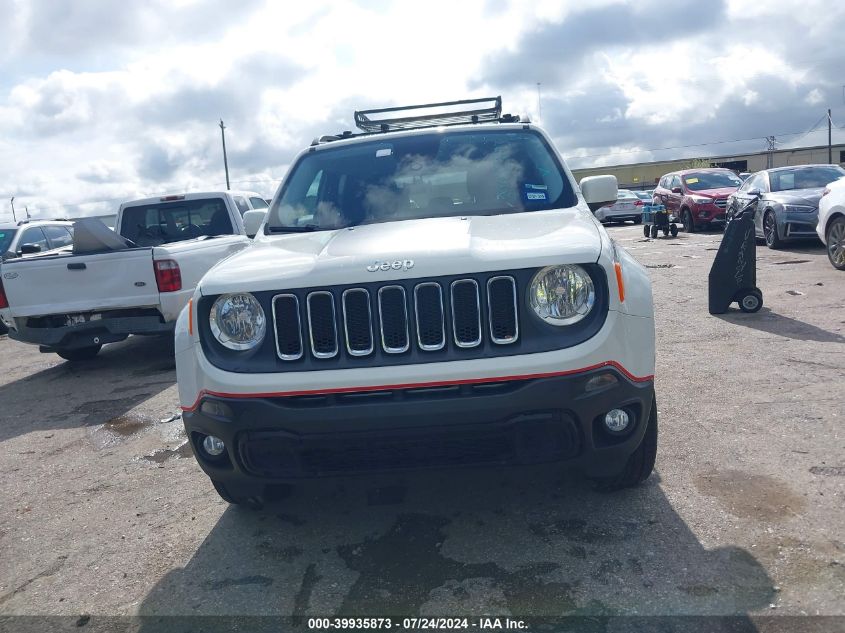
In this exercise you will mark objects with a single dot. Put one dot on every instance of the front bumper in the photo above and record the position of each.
(709, 213)
(797, 225)
(551, 419)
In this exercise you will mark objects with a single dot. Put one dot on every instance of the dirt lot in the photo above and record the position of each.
(105, 513)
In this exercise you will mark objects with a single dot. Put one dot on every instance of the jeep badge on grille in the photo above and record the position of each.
(399, 264)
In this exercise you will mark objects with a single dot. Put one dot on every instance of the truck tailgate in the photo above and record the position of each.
(62, 284)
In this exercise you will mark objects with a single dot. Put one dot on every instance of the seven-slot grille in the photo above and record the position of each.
(722, 203)
(430, 316)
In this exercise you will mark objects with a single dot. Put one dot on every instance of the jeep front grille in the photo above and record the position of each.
(395, 319)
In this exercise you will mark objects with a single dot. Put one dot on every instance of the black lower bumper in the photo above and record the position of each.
(276, 440)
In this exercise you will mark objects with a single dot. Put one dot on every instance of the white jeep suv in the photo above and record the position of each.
(431, 292)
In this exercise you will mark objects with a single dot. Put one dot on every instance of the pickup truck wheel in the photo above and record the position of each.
(640, 463)
(80, 353)
(252, 499)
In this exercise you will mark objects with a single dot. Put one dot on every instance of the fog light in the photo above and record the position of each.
(214, 446)
(702, 214)
(616, 420)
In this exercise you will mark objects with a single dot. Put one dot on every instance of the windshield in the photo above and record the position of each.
(6, 237)
(156, 224)
(703, 180)
(624, 194)
(804, 177)
(422, 176)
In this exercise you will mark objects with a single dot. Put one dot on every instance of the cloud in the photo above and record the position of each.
(100, 100)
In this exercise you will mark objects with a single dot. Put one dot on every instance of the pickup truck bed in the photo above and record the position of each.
(73, 303)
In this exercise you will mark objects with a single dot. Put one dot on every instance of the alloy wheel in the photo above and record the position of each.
(836, 244)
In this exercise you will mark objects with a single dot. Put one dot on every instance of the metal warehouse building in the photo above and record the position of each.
(646, 175)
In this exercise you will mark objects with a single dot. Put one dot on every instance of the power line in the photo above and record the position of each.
(660, 149)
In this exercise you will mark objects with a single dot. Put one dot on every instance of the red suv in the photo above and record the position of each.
(697, 197)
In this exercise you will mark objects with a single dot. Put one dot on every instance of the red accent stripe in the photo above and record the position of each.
(415, 385)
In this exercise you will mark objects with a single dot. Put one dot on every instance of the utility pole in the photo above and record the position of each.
(14, 219)
(770, 158)
(225, 160)
(539, 104)
(829, 132)
(26, 208)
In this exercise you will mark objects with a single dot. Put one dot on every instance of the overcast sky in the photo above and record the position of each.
(104, 101)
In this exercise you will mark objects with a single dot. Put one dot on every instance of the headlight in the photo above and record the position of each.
(237, 321)
(562, 295)
(701, 199)
(796, 208)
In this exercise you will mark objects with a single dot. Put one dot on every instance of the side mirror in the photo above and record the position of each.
(677, 190)
(599, 190)
(29, 249)
(253, 220)
(755, 192)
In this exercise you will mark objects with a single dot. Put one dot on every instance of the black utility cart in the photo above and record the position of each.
(733, 276)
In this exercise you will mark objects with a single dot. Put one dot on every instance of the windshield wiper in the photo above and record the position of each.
(305, 228)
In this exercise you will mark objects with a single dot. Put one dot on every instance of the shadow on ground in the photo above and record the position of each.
(121, 377)
(524, 541)
(767, 321)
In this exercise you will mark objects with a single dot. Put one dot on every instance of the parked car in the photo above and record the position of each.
(697, 197)
(113, 284)
(831, 226)
(422, 297)
(248, 201)
(787, 201)
(628, 206)
(29, 237)
(645, 196)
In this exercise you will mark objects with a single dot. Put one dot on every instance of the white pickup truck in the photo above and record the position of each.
(135, 280)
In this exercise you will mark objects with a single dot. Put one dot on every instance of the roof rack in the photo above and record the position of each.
(418, 116)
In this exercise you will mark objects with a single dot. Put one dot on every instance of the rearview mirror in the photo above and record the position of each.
(599, 190)
(677, 190)
(29, 249)
(253, 220)
(755, 192)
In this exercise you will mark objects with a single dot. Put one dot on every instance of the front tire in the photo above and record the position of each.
(80, 353)
(641, 462)
(835, 238)
(689, 222)
(770, 231)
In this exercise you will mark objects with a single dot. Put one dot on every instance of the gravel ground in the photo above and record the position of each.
(105, 512)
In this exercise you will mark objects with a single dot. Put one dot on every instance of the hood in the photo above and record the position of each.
(803, 197)
(428, 247)
(721, 192)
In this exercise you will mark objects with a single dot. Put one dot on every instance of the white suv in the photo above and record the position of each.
(434, 291)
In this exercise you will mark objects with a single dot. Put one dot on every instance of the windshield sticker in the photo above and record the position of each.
(383, 152)
(540, 187)
(691, 181)
(535, 195)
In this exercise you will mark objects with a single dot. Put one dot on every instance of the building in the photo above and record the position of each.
(646, 175)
